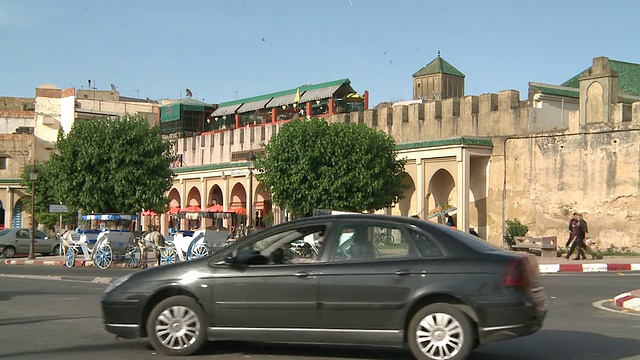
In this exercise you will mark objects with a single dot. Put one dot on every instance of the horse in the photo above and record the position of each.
(66, 241)
(154, 240)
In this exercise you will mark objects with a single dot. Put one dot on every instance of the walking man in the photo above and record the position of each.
(578, 234)
(582, 223)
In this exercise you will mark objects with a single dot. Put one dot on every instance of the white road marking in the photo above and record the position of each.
(97, 280)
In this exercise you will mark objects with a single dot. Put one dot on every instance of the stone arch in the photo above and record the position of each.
(595, 104)
(262, 205)
(19, 214)
(174, 198)
(238, 196)
(2, 215)
(442, 189)
(215, 196)
(174, 202)
(409, 202)
(478, 193)
(193, 197)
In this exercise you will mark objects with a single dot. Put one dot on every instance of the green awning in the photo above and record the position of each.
(226, 110)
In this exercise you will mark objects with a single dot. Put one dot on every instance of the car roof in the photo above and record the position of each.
(376, 217)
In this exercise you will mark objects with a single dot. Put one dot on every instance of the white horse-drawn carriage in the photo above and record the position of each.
(188, 245)
(193, 244)
(114, 241)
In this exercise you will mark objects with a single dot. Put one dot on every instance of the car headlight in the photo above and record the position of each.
(117, 282)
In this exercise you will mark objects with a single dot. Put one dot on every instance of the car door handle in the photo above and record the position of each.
(403, 272)
(303, 274)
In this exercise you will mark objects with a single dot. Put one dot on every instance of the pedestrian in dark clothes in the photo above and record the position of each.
(578, 234)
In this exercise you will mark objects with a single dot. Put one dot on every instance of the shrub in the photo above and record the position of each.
(514, 228)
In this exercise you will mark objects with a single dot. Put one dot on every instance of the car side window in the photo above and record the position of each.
(293, 246)
(360, 241)
(425, 244)
(40, 234)
(23, 234)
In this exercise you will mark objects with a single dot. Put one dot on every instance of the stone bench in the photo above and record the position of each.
(547, 246)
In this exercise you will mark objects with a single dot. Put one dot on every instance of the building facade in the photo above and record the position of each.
(566, 147)
(29, 127)
(494, 157)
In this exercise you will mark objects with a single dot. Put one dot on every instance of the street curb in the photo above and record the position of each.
(593, 267)
(629, 300)
(543, 268)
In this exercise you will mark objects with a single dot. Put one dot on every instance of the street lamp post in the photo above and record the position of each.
(250, 159)
(33, 176)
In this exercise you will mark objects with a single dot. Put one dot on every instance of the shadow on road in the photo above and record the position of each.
(560, 344)
(544, 345)
(39, 319)
(89, 350)
(8, 295)
(249, 349)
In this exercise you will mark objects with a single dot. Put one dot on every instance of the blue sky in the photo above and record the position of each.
(221, 50)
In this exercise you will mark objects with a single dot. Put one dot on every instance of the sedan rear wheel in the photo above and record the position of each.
(9, 252)
(176, 326)
(440, 331)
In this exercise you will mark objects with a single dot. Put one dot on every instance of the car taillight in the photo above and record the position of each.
(516, 272)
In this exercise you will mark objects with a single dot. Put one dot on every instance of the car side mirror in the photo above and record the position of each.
(233, 261)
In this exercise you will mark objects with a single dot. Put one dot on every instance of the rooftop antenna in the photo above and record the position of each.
(189, 93)
(113, 88)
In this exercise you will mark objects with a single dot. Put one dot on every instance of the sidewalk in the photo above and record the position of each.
(545, 264)
(60, 261)
(609, 263)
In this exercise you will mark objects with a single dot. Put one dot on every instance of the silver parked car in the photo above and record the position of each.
(16, 241)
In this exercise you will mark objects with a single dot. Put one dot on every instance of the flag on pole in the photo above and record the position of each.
(297, 98)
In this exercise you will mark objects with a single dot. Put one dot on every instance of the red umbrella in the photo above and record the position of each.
(192, 208)
(149, 213)
(239, 210)
(214, 208)
(173, 210)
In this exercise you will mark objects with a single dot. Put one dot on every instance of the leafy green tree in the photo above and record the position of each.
(45, 196)
(110, 166)
(312, 164)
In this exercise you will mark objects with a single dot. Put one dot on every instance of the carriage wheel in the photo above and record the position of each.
(135, 256)
(70, 258)
(168, 256)
(103, 257)
(198, 251)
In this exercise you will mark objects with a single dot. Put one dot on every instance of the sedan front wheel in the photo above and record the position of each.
(9, 252)
(440, 332)
(176, 326)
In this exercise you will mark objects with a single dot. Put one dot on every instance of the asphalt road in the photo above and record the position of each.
(53, 313)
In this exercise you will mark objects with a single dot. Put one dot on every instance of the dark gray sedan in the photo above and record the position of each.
(17, 241)
(342, 279)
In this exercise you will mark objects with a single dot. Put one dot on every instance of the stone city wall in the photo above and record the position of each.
(594, 167)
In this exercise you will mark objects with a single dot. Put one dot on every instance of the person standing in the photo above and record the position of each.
(450, 221)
